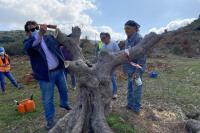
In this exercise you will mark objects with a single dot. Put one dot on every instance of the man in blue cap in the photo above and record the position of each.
(134, 93)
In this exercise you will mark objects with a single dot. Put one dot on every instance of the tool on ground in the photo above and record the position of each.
(153, 74)
(26, 105)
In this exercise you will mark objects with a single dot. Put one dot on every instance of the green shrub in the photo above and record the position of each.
(12, 41)
(118, 125)
(177, 50)
(14, 49)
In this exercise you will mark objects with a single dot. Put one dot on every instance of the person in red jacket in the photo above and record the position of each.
(5, 70)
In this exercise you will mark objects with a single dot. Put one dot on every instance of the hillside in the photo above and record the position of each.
(12, 41)
(183, 42)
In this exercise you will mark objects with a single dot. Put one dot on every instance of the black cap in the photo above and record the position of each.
(132, 23)
(102, 34)
(107, 34)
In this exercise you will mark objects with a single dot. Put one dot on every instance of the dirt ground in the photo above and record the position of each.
(165, 99)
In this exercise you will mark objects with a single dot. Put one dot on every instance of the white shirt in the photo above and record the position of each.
(111, 47)
(52, 60)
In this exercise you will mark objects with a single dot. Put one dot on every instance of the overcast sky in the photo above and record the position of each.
(94, 16)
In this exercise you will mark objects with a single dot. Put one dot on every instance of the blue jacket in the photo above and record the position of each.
(131, 42)
(38, 58)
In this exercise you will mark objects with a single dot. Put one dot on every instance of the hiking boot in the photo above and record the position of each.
(66, 107)
(50, 124)
(128, 108)
(3, 93)
(114, 97)
(131, 109)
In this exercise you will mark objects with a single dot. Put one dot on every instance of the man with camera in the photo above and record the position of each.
(48, 67)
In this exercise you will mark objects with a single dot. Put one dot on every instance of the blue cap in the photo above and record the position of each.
(132, 23)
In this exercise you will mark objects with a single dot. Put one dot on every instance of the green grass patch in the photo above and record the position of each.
(117, 123)
(181, 86)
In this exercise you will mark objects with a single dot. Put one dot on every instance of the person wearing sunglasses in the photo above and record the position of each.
(48, 68)
(134, 93)
(112, 47)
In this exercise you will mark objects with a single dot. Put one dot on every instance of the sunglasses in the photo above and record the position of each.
(127, 28)
(33, 29)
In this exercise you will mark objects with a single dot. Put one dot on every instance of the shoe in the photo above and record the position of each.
(114, 97)
(3, 93)
(131, 109)
(128, 108)
(50, 124)
(19, 87)
(66, 107)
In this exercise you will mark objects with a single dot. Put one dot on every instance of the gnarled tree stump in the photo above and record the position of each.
(94, 93)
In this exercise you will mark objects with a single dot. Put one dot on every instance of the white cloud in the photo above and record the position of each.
(173, 25)
(64, 13)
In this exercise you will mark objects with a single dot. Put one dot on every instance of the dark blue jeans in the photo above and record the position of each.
(114, 83)
(57, 78)
(73, 77)
(134, 94)
(10, 77)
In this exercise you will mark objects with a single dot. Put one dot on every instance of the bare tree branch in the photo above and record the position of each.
(112, 60)
(71, 42)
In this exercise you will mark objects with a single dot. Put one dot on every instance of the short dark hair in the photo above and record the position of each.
(107, 34)
(102, 34)
(30, 22)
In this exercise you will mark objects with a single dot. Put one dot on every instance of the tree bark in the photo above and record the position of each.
(193, 126)
(94, 83)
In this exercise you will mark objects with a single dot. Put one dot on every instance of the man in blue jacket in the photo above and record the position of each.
(48, 67)
(134, 90)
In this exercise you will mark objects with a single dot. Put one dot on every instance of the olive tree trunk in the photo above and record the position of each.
(94, 83)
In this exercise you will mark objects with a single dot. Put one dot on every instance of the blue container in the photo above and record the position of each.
(153, 74)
